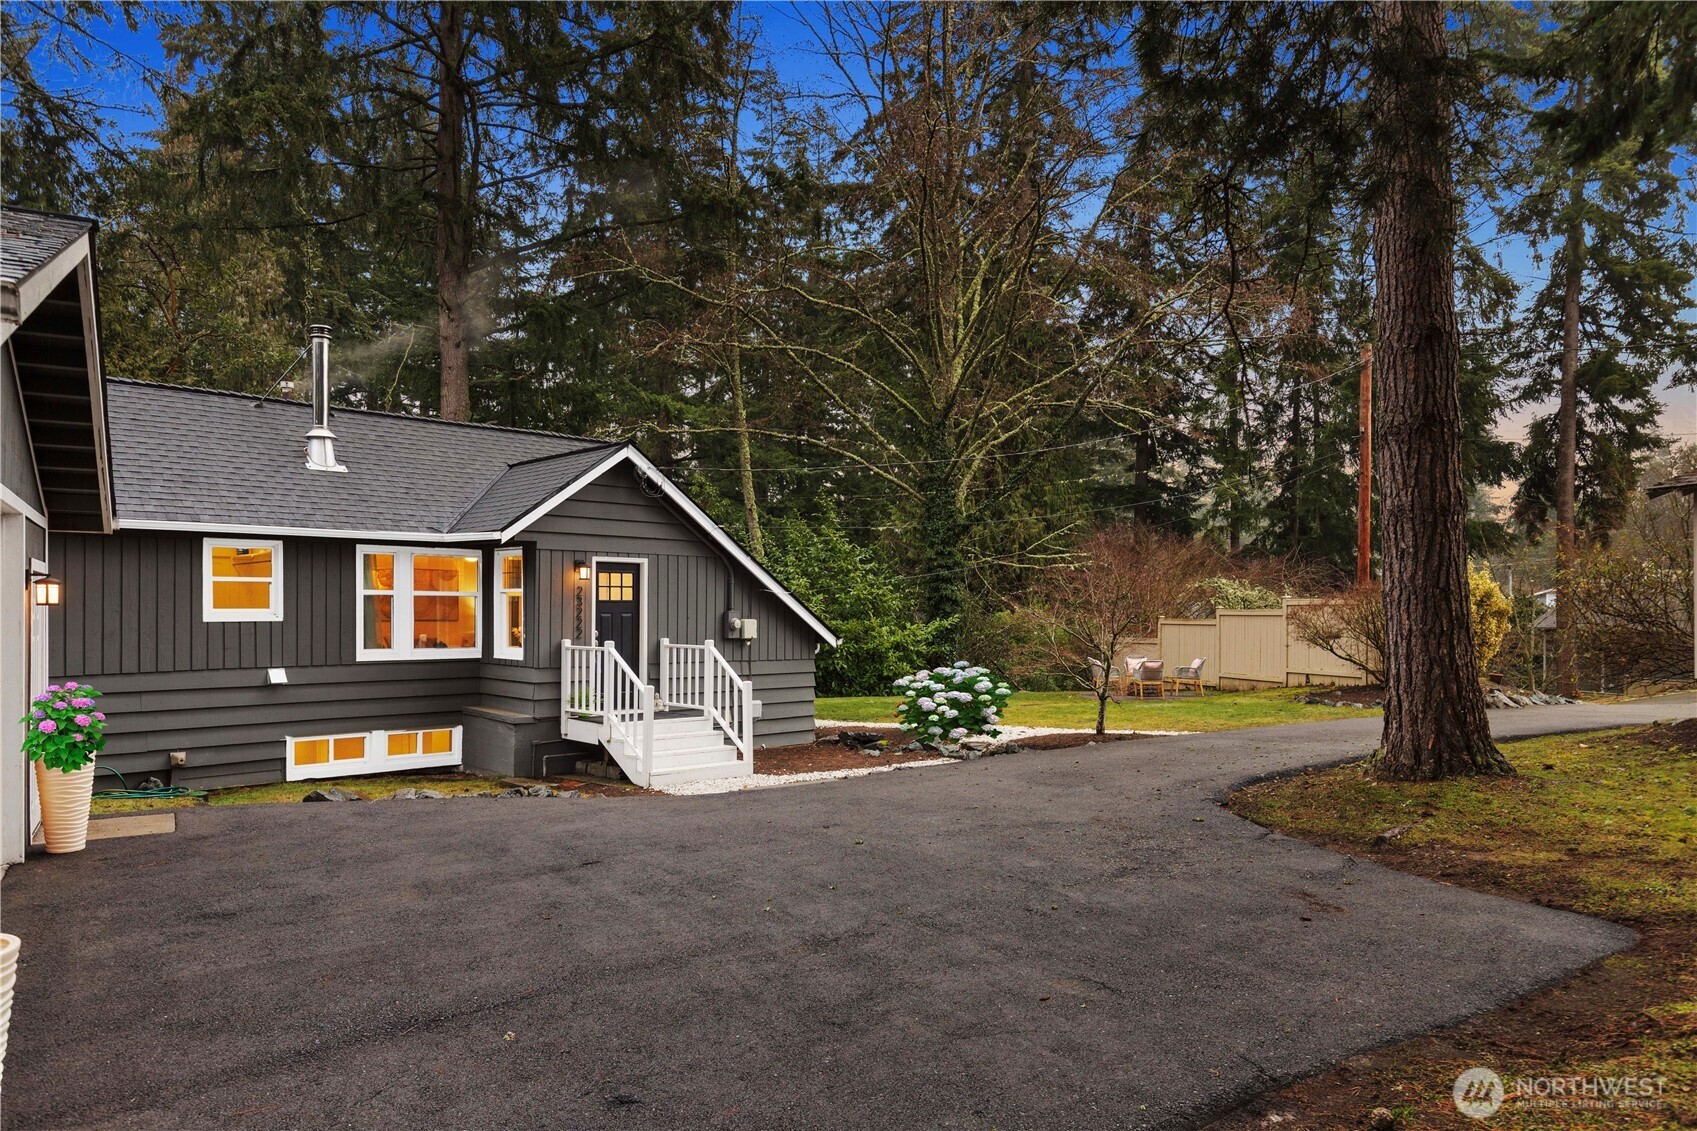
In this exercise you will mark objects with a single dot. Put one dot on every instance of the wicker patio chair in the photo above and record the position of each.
(1147, 677)
(1190, 677)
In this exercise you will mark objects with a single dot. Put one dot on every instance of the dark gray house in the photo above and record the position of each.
(292, 594)
(53, 474)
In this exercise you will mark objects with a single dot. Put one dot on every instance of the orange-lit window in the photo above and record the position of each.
(371, 752)
(418, 603)
(243, 580)
(615, 585)
(509, 606)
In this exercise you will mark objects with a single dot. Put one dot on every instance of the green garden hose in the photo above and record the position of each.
(124, 792)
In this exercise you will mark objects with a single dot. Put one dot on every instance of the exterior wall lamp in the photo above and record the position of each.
(582, 569)
(48, 590)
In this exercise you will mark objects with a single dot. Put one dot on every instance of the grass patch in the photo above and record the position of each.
(1229, 710)
(1602, 823)
(376, 787)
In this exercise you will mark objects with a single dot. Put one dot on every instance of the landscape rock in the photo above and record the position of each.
(404, 794)
(151, 783)
(567, 793)
(1389, 835)
(430, 795)
(335, 793)
(860, 739)
(514, 792)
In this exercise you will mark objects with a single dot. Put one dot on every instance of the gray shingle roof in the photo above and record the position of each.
(29, 239)
(181, 454)
(1685, 484)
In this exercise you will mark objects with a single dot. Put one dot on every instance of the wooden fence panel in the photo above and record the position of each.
(1184, 640)
(1252, 646)
(1305, 664)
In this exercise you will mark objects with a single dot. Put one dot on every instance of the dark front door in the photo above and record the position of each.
(618, 613)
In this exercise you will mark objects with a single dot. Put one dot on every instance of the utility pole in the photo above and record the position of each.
(1364, 504)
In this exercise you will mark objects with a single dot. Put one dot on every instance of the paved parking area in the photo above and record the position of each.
(1068, 939)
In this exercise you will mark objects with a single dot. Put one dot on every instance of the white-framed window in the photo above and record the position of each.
(241, 579)
(418, 604)
(509, 604)
(370, 752)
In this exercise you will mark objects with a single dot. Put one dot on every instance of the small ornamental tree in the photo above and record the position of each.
(63, 730)
(946, 705)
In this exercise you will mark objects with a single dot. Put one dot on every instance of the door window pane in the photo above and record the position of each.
(616, 586)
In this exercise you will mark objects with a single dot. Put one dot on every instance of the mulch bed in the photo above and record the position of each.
(1347, 696)
(1072, 740)
(1603, 1010)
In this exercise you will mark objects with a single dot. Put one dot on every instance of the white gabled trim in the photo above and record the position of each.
(32, 290)
(431, 537)
(567, 492)
(695, 514)
(96, 390)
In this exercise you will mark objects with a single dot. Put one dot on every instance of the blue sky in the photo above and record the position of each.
(786, 39)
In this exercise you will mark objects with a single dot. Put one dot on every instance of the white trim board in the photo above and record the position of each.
(40, 283)
(691, 511)
(626, 454)
(641, 605)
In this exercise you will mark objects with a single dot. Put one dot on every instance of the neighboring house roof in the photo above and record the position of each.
(1684, 484)
(203, 459)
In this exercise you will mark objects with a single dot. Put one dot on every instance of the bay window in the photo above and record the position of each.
(418, 603)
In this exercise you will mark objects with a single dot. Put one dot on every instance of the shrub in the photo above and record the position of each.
(868, 606)
(952, 703)
(1491, 614)
(64, 731)
(1232, 593)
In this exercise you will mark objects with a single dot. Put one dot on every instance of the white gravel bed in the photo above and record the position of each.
(769, 781)
(1014, 734)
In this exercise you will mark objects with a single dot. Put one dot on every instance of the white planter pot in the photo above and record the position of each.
(8, 976)
(65, 798)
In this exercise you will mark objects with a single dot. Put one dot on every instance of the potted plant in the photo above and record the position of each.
(8, 979)
(63, 734)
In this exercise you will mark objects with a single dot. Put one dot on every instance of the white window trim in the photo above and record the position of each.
(401, 623)
(377, 759)
(503, 650)
(273, 613)
(641, 606)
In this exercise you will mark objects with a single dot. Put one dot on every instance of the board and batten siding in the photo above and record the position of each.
(687, 600)
(131, 624)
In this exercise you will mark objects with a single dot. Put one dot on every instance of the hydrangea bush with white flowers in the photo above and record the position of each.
(64, 731)
(952, 703)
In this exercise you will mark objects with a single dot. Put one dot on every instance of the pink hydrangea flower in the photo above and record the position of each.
(39, 713)
(83, 703)
(83, 721)
(47, 726)
(101, 715)
(58, 704)
(42, 698)
(54, 687)
(72, 685)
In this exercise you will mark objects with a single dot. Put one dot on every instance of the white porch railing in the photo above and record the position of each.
(597, 683)
(698, 676)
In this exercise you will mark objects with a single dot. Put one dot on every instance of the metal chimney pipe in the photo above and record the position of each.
(320, 441)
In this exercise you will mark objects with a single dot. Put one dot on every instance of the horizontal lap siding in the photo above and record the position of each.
(131, 624)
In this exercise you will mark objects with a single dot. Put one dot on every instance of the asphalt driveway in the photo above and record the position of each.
(1068, 939)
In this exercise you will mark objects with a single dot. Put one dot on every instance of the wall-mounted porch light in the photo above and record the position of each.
(582, 569)
(48, 590)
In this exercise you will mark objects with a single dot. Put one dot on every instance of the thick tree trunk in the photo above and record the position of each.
(1435, 722)
(1567, 466)
(453, 216)
(745, 455)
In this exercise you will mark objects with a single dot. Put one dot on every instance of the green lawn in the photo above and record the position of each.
(1602, 823)
(1229, 710)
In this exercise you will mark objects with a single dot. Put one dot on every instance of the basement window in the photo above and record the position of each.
(241, 580)
(371, 752)
(417, 604)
